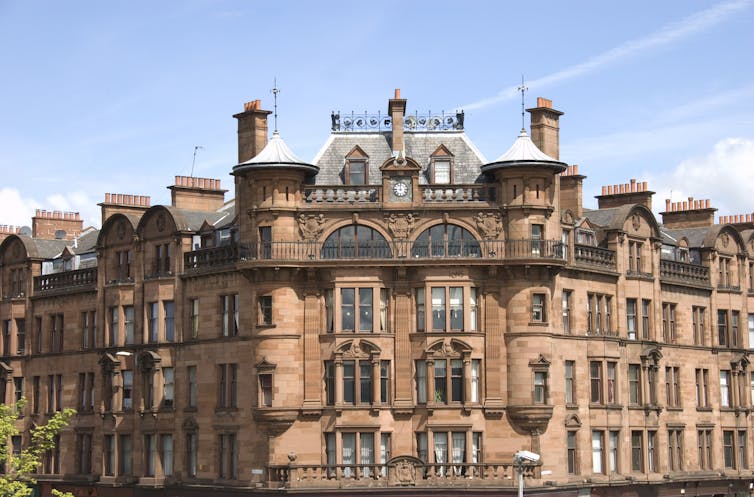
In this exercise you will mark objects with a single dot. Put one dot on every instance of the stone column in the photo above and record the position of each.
(338, 381)
(312, 362)
(376, 383)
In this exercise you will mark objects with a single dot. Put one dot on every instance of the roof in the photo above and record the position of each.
(524, 153)
(275, 154)
(419, 146)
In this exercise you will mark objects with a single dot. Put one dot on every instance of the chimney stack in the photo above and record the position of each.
(689, 214)
(252, 130)
(397, 109)
(571, 190)
(52, 225)
(197, 194)
(125, 204)
(629, 193)
(545, 127)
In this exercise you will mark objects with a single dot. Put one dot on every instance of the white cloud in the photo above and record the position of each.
(15, 210)
(666, 35)
(724, 176)
(76, 201)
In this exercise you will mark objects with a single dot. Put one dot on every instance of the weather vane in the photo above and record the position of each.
(522, 89)
(275, 92)
(193, 162)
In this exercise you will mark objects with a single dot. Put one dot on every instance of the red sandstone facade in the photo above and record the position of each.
(377, 322)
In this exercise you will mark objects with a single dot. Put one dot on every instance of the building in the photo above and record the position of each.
(399, 316)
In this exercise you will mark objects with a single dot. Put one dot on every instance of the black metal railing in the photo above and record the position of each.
(66, 280)
(383, 122)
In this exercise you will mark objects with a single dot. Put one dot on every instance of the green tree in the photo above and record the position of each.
(18, 480)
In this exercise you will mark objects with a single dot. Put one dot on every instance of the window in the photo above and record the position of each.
(441, 172)
(726, 394)
(631, 318)
(125, 451)
(109, 455)
(169, 309)
(652, 451)
(537, 234)
(672, 387)
(637, 450)
(227, 385)
(446, 380)
(7, 329)
(675, 449)
(634, 384)
(610, 384)
(84, 453)
(228, 452)
(449, 309)
(724, 280)
(194, 317)
(540, 387)
(572, 453)
(357, 448)
(191, 375)
(36, 395)
(384, 309)
(570, 384)
(147, 386)
(153, 316)
(52, 457)
(538, 308)
(698, 324)
(704, 438)
(265, 390)
(113, 330)
(150, 449)
(128, 389)
(56, 333)
(634, 257)
(722, 328)
(702, 387)
(38, 339)
(357, 172)
(613, 455)
(20, 336)
(191, 454)
(123, 265)
(356, 242)
(128, 323)
(566, 309)
(162, 259)
(168, 387)
(86, 392)
(728, 449)
(751, 330)
(358, 381)
(742, 452)
(446, 240)
(356, 309)
(54, 392)
(668, 322)
(646, 305)
(734, 321)
(447, 451)
(88, 329)
(420, 317)
(598, 454)
(595, 382)
(230, 310)
(166, 445)
(265, 310)
(265, 242)
(385, 381)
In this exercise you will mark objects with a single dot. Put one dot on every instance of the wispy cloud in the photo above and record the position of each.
(668, 34)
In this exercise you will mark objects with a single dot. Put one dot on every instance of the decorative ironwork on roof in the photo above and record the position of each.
(383, 122)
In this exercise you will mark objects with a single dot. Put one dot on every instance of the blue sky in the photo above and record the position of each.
(102, 97)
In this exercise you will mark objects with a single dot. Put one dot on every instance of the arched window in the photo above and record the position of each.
(356, 242)
(446, 240)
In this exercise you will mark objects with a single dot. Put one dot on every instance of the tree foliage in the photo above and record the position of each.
(18, 479)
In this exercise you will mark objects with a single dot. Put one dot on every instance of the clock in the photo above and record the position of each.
(400, 189)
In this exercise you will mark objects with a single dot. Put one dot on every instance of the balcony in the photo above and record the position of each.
(595, 256)
(371, 195)
(684, 272)
(67, 281)
(532, 251)
(402, 471)
(458, 193)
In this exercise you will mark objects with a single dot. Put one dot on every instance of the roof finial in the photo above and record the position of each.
(522, 89)
(275, 92)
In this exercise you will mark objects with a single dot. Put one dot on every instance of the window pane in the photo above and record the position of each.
(456, 308)
(365, 309)
(438, 309)
(347, 302)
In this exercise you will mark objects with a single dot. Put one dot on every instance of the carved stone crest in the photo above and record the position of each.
(401, 224)
(725, 239)
(161, 222)
(636, 222)
(405, 473)
(489, 224)
(311, 225)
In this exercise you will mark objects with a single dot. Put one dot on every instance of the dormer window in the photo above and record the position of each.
(585, 237)
(357, 167)
(441, 167)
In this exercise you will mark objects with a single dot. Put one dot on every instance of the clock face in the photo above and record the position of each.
(400, 189)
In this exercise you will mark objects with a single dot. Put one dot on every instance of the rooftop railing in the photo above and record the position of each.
(66, 280)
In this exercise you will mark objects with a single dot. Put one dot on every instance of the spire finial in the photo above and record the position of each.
(523, 88)
(275, 92)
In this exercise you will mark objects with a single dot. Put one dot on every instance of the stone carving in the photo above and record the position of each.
(725, 239)
(311, 225)
(401, 224)
(161, 222)
(121, 230)
(405, 473)
(489, 224)
(636, 222)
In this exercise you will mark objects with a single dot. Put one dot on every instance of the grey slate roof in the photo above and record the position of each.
(419, 145)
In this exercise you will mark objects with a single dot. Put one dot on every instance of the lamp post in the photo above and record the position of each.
(519, 458)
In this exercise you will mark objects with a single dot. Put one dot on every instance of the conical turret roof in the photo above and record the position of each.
(275, 154)
(524, 153)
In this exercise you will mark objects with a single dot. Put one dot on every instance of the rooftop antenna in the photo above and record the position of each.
(193, 162)
(523, 88)
(275, 92)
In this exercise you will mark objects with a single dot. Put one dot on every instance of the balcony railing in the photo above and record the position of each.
(458, 193)
(372, 194)
(346, 194)
(499, 250)
(66, 280)
(215, 256)
(594, 256)
(396, 474)
(684, 272)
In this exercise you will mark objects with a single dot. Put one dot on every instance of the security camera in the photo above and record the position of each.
(525, 455)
